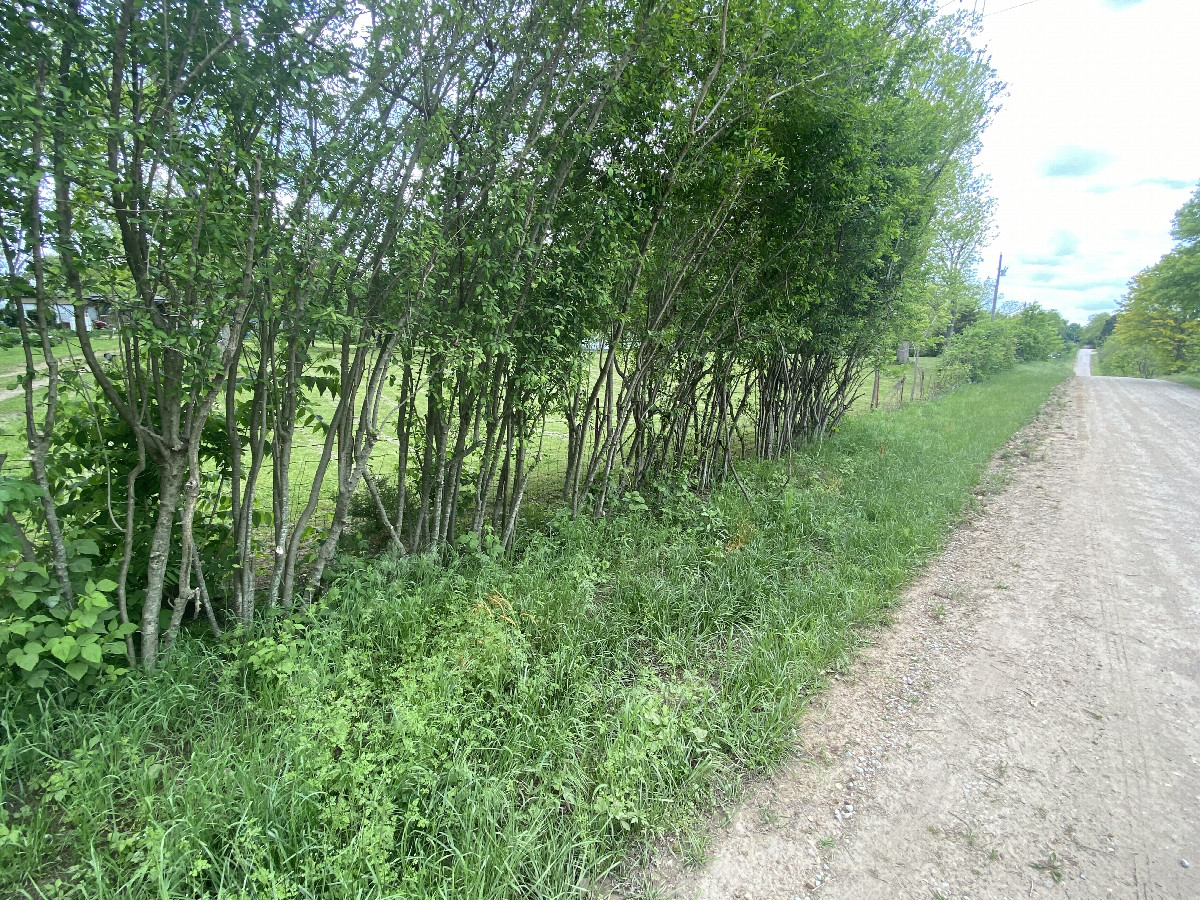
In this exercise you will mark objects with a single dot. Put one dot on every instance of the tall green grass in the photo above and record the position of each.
(1191, 379)
(494, 727)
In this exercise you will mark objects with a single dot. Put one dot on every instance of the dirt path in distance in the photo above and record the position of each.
(17, 392)
(1030, 726)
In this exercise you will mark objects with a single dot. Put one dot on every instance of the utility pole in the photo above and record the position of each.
(1000, 271)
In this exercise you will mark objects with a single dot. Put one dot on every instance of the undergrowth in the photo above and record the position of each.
(498, 727)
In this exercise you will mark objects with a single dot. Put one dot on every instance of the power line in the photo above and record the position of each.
(979, 7)
(1008, 8)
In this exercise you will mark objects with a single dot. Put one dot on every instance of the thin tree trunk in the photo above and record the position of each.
(171, 472)
(127, 551)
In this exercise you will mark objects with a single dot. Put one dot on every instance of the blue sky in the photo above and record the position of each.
(1097, 145)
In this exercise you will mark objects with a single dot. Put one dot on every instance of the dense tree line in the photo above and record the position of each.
(683, 229)
(1156, 330)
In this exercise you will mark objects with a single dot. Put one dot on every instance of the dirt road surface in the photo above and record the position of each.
(1030, 725)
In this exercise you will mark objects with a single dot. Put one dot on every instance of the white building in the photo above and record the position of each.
(64, 314)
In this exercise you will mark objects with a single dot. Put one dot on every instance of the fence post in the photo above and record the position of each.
(875, 391)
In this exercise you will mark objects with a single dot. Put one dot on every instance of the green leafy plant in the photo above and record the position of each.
(41, 632)
(1051, 866)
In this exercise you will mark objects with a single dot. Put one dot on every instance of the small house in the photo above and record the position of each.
(63, 314)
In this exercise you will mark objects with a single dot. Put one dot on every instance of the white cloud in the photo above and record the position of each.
(1075, 162)
(1097, 144)
(1065, 244)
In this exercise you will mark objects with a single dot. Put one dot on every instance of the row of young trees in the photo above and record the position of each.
(1156, 330)
(435, 224)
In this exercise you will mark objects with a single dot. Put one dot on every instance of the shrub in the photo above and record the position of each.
(951, 374)
(1122, 357)
(983, 349)
(1035, 333)
(990, 347)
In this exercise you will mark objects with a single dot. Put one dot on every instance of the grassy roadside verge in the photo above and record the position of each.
(1103, 364)
(1188, 378)
(500, 728)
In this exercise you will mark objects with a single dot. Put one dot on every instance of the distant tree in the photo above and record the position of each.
(1161, 312)
(1186, 226)
(1099, 326)
(1070, 332)
(1122, 358)
(963, 225)
(1037, 332)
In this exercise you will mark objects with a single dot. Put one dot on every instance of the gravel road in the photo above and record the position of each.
(1030, 725)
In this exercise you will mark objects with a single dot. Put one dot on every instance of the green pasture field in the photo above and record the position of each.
(506, 727)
